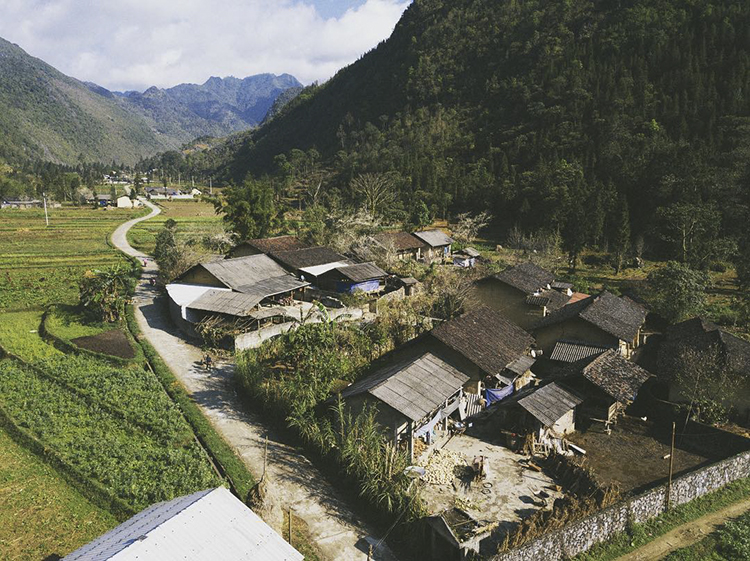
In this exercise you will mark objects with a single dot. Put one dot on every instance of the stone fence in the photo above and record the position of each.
(579, 536)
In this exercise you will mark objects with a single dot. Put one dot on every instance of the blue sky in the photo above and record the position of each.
(134, 44)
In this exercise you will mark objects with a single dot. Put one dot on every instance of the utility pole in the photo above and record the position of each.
(671, 469)
(46, 217)
(211, 185)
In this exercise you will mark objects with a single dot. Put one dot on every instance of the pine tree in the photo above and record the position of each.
(621, 233)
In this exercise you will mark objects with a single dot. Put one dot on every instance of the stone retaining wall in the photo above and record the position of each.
(579, 536)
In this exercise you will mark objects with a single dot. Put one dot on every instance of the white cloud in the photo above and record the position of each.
(134, 44)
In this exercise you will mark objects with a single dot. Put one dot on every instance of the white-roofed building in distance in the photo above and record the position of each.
(209, 525)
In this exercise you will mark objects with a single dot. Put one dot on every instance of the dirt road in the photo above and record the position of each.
(293, 482)
(687, 534)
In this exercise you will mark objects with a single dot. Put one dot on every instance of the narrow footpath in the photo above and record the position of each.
(293, 482)
(687, 534)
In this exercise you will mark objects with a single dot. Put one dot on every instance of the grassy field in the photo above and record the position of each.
(40, 513)
(194, 219)
(729, 543)
(19, 335)
(40, 265)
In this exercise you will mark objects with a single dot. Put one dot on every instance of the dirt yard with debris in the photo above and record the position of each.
(510, 491)
(112, 342)
(633, 455)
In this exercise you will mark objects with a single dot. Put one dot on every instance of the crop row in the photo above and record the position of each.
(132, 464)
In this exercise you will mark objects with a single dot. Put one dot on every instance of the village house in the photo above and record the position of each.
(267, 246)
(253, 287)
(103, 200)
(311, 262)
(404, 245)
(524, 293)
(604, 320)
(466, 257)
(207, 525)
(699, 340)
(411, 396)
(21, 203)
(438, 244)
(608, 383)
(487, 347)
(349, 279)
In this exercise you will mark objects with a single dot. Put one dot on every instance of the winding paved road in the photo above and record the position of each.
(293, 482)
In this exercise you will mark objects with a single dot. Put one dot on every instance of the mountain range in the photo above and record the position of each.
(47, 115)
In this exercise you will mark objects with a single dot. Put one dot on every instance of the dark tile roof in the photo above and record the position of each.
(521, 365)
(573, 351)
(620, 317)
(415, 387)
(307, 257)
(616, 376)
(400, 241)
(361, 272)
(548, 403)
(485, 338)
(279, 243)
(434, 238)
(526, 277)
(469, 252)
(560, 285)
(701, 335)
(551, 299)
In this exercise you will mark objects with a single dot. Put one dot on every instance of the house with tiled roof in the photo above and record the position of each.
(700, 340)
(267, 246)
(608, 383)
(437, 244)
(604, 320)
(523, 293)
(403, 244)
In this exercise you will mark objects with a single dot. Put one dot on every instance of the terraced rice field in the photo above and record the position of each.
(40, 264)
(195, 219)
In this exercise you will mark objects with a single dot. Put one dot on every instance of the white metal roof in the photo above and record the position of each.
(184, 294)
(318, 270)
(204, 526)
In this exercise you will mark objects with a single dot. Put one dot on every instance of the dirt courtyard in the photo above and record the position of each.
(509, 492)
(633, 455)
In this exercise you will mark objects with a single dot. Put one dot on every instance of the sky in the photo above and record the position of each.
(135, 44)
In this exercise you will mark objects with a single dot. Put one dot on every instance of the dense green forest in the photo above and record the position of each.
(614, 123)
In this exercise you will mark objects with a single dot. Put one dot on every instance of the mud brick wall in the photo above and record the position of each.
(581, 535)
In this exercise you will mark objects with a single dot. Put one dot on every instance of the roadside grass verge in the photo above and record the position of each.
(642, 534)
(41, 513)
(229, 462)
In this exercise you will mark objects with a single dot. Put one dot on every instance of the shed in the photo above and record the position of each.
(103, 200)
(207, 525)
(552, 407)
(466, 257)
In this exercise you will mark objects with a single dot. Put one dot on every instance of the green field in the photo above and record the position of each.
(195, 219)
(40, 513)
(40, 265)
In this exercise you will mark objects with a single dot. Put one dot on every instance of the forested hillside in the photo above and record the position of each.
(602, 120)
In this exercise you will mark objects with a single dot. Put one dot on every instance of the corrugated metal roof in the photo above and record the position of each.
(318, 270)
(470, 251)
(434, 238)
(414, 388)
(573, 351)
(185, 294)
(226, 302)
(273, 286)
(560, 285)
(548, 403)
(362, 272)
(204, 526)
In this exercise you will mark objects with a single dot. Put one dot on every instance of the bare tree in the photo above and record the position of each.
(376, 189)
(469, 225)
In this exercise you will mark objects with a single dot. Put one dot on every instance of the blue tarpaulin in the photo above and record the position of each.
(497, 395)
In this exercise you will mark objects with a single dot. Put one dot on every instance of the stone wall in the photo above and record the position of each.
(579, 536)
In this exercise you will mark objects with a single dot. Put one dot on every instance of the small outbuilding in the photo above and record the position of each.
(205, 526)
(466, 257)
(362, 277)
